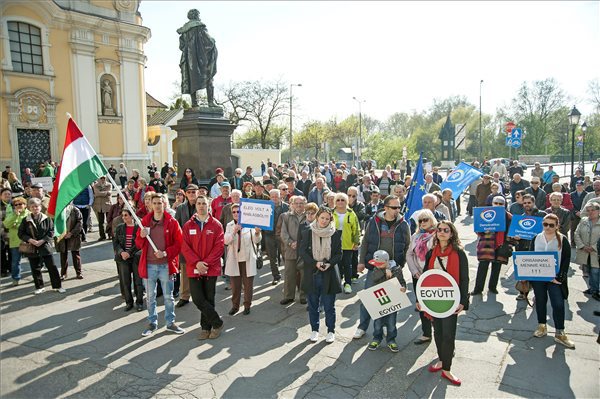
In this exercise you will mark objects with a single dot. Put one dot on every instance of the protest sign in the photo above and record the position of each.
(535, 266)
(489, 218)
(525, 227)
(460, 178)
(257, 213)
(46, 182)
(438, 293)
(383, 299)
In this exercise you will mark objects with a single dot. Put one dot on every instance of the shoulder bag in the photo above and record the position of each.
(26, 248)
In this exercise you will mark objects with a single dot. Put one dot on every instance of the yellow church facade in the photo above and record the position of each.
(82, 57)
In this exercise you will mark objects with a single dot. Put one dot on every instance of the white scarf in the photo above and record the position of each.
(321, 241)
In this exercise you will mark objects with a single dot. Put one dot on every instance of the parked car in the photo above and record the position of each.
(507, 162)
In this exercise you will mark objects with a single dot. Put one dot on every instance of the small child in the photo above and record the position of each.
(385, 269)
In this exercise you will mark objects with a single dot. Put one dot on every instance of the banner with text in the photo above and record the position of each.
(257, 213)
(535, 266)
(525, 227)
(385, 298)
(489, 218)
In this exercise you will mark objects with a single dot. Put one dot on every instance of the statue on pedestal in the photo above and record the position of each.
(198, 58)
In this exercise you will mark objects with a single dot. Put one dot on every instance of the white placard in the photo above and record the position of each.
(257, 213)
(46, 182)
(385, 298)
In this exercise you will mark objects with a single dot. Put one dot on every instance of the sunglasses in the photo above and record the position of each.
(181, 194)
(393, 207)
(535, 182)
(284, 189)
(340, 200)
(443, 230)
(234, 212)
(548, 225)
(424, 220)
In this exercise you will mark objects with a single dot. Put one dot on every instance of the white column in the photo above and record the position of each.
(83, 74)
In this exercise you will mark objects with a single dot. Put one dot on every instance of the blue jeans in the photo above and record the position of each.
(15, 263)
(160, 273)
(594, 279)
(543, 290)
(326, 300)
(365, 317)
(346, 266)
(390, 322)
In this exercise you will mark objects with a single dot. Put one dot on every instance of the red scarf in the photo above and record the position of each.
(453, 263)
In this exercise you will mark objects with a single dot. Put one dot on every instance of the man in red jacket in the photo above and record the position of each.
(202, 248)
(160, 265)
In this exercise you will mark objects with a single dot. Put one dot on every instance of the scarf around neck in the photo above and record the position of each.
(452, 266)
(321, 241)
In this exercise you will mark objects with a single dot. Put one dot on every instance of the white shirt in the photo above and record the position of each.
(541, 245)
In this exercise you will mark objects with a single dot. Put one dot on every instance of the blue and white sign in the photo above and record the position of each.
(508, 141)
(517, 133)
(516, 143)
(579, 144)
(535, 266)
(489, 218)
(460, 178)
(525, 227)
(257, 213)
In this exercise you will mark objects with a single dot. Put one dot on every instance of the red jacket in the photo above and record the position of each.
(206, 246)
(172, 239)
(139, 198)
(218, 204)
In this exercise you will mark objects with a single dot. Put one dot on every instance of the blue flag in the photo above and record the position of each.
(417, 190)
(460, 178)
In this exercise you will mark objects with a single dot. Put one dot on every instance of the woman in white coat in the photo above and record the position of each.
(240, 265)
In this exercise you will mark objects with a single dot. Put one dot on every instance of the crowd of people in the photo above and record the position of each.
(332, 223)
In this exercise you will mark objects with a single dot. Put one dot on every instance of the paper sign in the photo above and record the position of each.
(385, 298)
(535, 266)
(257, 213)
(525, 227)
(46, 182)
(489, 218)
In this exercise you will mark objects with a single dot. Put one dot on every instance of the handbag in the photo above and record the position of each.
(504, 251)
(524, 286)
(26, 248)
(259, 259)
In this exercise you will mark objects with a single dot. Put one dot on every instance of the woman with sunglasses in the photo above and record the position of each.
(188, 178)
(321, 249)
(240, 262)
(552, 240)
(346, 221)
(420, 243)
(492, 247)
(11, 224)
(179, 198)
(448, 255)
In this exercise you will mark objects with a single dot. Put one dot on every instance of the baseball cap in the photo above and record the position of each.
(579, 183)
(499, 199)
(37, 185)
(191, 187)
(218, 170)
(380, 256)
(225, 184)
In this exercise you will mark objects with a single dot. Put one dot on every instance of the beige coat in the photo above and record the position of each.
(249, 238)
(290, 225)
(102, 194)
(587, 235)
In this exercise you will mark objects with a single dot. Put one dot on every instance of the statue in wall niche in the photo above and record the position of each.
(107, 99)
(198, 59)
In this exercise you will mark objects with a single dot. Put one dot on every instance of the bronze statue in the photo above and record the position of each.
(198, 58)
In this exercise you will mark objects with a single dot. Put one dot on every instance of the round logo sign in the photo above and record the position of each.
(438, 293)
(488, 215)
(527, 223)
(455, 176)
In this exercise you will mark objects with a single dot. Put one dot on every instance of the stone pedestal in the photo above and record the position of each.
(204, 142)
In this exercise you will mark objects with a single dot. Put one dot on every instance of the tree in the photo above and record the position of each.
(312, 136)
(253, 138)
(594, 93)
(262, 104)
(180, 103)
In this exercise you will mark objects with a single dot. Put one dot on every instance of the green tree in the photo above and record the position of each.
(253, 138)
(312, 137)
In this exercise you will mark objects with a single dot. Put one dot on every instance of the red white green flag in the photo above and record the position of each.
(80, 167)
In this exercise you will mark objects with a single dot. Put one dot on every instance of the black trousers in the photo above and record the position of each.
(85, 216)
(36, 271)
(271, 247)
(355, 264)
(101, 217)
(444, 332)
(425, 322)
(5, 258)
(203, 295)
(123, 180)
(128, 273)
(482, 270)
(64, 262)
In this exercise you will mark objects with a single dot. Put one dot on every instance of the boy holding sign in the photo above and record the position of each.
(384, 270)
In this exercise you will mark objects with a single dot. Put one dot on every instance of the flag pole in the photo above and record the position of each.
(128, 205)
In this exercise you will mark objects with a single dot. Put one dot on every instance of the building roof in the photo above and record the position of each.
(152, 102)
(346, 150)
(163, 117)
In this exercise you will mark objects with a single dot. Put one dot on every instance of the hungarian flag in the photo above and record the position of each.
(80, 167)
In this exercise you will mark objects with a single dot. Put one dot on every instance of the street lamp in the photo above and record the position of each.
(583, 130)
(291, 117)
(573, 121)
(359, 127)
(480, 135)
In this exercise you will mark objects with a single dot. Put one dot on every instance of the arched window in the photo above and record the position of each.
(25, 47)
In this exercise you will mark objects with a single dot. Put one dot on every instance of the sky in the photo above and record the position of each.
(394, 56)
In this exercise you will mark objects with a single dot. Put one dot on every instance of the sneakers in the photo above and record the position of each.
(314, 336)
(204, 334)
(44, 269)
(276, 280)
(174, 328)
(330, 338)
(216, 332)
(139, 307)
(39, 291)
(394, 347)
(60, 290)
(15, 283)
(541, 331)
(358, 334)
(564, 340)
(286, 301)
(347, 289)
(150, 330)
(354, 280)
(373, 346)
(521, 297)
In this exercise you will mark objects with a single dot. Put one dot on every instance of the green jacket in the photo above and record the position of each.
(12, 223)
(350, 230)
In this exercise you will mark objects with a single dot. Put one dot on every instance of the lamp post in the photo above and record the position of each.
(583, 130)
(291, 117)
(359, 127)
(480, 134)
(573, 121)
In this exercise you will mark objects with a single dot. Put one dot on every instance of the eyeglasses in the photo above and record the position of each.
(535, 182)
(19, 204)
(424, 220)
(283, 189)
(311, 213)
(548, 225)
(340, 200)
(527, 203)
(498, 203)
(351, 196)
(445, 230)
(393, 207)
(181, 194)
(234, 212)
(238, 173)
